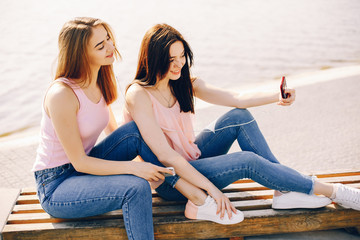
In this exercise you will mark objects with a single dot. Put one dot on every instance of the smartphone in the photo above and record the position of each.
(283, 87)
(173, 172)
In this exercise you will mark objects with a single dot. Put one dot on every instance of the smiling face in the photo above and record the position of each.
(177, 60)
(100, 48)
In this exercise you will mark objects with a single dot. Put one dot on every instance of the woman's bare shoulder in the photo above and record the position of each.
(61, 91)
(60, 94)
(135, 87)
(137, 93)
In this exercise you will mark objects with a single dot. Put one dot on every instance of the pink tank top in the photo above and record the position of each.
(177, 127)
(92, 118)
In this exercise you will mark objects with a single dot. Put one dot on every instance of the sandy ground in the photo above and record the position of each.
(320, 131)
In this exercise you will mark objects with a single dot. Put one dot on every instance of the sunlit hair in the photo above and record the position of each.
(154, 63)
(73, 60)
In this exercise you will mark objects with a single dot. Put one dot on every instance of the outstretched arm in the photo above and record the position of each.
(214, 95)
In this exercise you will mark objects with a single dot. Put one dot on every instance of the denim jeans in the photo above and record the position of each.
(255, 161)
(66, 193)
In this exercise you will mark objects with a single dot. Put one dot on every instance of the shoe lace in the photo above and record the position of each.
(351, 195)
(212, 204)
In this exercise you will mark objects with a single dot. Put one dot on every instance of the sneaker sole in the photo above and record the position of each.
(220, 222)
(343, 206)
(211, 220)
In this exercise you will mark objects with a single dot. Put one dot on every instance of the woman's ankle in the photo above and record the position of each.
(277, 193)
(198, 199)
(191, 192)
(325, 189)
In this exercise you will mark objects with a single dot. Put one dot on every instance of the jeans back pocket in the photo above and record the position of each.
(48, 180)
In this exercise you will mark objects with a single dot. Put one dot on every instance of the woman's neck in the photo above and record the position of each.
(163, 93)
(94, 77)
(162, 85)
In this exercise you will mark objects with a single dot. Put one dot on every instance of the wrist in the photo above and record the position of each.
(131, 167)
(210, 187)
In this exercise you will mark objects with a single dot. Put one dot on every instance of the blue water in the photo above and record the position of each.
(234, 42)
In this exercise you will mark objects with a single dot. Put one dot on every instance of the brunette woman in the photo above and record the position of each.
(161, 103)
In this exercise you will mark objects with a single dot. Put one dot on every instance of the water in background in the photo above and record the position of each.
(235, 42)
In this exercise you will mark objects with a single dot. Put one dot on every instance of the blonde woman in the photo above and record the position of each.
(76, 178)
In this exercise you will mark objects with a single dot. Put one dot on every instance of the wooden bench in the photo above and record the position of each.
(28, 220)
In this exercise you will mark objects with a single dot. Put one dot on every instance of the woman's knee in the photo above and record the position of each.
(249, 159)
(128, 128)
(240, 115)
(128, 132)
(140, 186)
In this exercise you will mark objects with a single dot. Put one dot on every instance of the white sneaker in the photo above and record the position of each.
(299, 200)
(347, 197)
(207, 211)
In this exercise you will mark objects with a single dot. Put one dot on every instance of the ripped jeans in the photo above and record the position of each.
(255, 161)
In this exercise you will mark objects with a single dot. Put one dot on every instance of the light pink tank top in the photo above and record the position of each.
(92, 118)
(177, 127)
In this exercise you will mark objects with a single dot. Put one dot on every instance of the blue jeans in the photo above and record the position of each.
(66, 193)
(255, 161)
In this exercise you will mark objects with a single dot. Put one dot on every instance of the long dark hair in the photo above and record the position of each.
(154, 63)
(73, 61)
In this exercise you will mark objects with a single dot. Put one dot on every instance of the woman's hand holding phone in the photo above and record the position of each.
(151, 172)
(287, 96)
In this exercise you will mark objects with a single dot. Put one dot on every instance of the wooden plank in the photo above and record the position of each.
(28, 191)
(335, 173)
(235, 187)
(345, 179)
(86, 230)
(27, 199)
(27, 208)
(253, 204)
(7, 202)
(320, 174)
(253, 195)
(342, 179)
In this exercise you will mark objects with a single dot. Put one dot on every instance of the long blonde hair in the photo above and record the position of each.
(73, 62)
